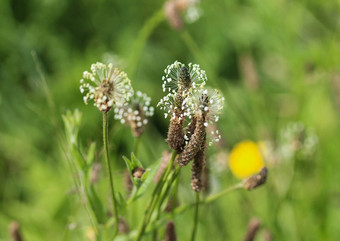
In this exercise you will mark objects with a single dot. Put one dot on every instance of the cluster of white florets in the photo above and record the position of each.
(193, 12)
(211, 108)
(137, 109)
(106, 85)
(296, 139)
(170, 86)
(209, 102)
(196, 99)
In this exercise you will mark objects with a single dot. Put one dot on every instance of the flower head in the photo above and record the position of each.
(106, 85)
(245, 159)
(174, 9)
(297, 140)
(208, 102)
(180, 81)
(136, 112)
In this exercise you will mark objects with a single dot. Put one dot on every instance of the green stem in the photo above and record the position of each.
(222, 193)
(184, 208)
(137, 145)
(155, 197)
(106, 147)
(142, 37)
(193, 235)
(165, 193)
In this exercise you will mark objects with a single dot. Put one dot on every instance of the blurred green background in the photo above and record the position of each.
(274, 61)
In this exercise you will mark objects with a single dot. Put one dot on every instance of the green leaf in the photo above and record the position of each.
(96, 204)
(91, 153)
(147, 178)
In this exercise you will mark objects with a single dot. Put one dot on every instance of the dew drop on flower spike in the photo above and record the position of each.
(106, 86)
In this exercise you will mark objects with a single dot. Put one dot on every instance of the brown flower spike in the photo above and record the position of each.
(256, 180)
(176, 139)
(197, 168)
(170, 232)
(197, 140)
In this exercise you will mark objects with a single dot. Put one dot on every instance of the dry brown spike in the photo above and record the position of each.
(205, 178)
(170, 232)
(256, 180)
(175, 138)
(253, 226)
(195, 143)
(14, 230)
(190, 129)
(197, 169)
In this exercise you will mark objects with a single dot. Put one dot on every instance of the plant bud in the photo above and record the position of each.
(138, 172)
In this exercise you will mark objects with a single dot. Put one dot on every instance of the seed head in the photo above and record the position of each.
(179, 82)
(256, 180)
(253, 226)
(170, 232)
(198, 166)
(14, 230)
(196, 142)
(106, 85)
(135, 113)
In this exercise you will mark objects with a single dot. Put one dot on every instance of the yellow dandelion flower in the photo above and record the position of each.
(245, 159)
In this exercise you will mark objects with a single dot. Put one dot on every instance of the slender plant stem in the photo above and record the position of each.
(142, 38)
(137, 145)
(222, 193)
(182, 209)
(106, 147)
(155, 197)
(193, 235)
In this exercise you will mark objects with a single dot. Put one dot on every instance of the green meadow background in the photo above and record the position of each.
(290, 47)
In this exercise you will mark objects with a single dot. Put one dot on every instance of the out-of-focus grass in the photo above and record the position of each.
(294, 47)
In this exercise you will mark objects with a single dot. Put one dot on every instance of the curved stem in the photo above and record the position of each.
(106, 147)
(193, 235)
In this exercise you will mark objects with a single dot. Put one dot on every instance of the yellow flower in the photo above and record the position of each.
(245, 159)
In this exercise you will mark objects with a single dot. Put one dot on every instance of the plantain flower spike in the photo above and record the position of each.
(106, 85)
(204, 108)
(179, 84)
(256, 180)
(170, 232)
